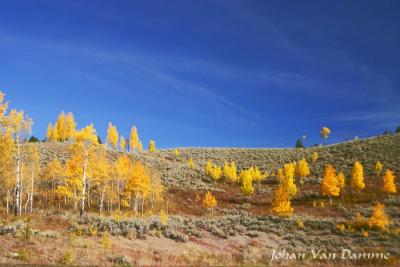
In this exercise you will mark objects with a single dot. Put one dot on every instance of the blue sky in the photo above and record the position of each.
(206, 73)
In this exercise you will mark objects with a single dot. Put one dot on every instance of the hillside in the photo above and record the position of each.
(241, 231)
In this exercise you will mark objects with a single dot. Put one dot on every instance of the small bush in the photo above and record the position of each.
(68, 258)
(23, 254)
(106, 240)
(299, 224)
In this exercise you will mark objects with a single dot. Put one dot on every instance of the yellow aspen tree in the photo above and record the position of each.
(389, 186)
(55, 136)
(140, 146)
(230, 171)
(379, 219)
(33, 168)
(52, 174)
(157, 190)
(209, 166)
(7, 153)
(247, 184)
(314, 157)
(122, 144)
(112, 136)
(163, 217)
(152, 146)
(60, 126)
(341, 179)
(100, 173)
(288, 181)
(176, 152)
(69, 126)
(302, 170)
(49, 133)
(325, 132)
(329, 184)
(134, 140)
(74, 174)
(191, 164)
(378, 168)
(357, 177)
(215, 172)
(281, 204)
(138, 185)
(86, 141)
(256, 174)
(122, 167)
(19, 127)
(209, 201)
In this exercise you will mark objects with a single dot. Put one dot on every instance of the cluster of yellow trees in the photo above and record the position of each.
(332, 184)
(229, 172)
(89, 178)
(287, 188)
(64, 129)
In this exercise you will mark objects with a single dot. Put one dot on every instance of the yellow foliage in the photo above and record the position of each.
(134, 141)
(325, 132)
(341, 178)
(329, 184)
(302, 168)
(314, 157)
(230, 171)
(299, 224)
(379, 219)
(357, 177)
(64, 128)
(163, 217)
(247, 183)
(288, 179)
(209, 200)
(213, 171)
(177, 152)
(378, 168)
(191, 163)
(122, 143)
(87, 136)
(112, 136)
(389, 186)
(281, 204)
(340, 227)
(364, 233)
(152, 146)
(106, 241)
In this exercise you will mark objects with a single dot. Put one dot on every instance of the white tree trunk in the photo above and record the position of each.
(84, 185)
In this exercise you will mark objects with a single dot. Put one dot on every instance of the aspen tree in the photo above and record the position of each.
(122, 167)
(53, 173)
(281, 204)
(341, 179)
(389, 186)
(379, 219)
(191, 164)
(140, 146)
(210, 201)
(288, 181)
(329, 184)
(19, 127)
(69, 126)
(112, 136)
(100, 172)
(302, 169)
(7, 153)
(325, 132)
(49, 133)
(357, 177)
(33, 168)
(122, 144)
(138, 185)
(247, 183)
(378, 168)
(85, 142)
(314, 157)
(176, 152)
(230, 171)
(152, 146)
(134, 142)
